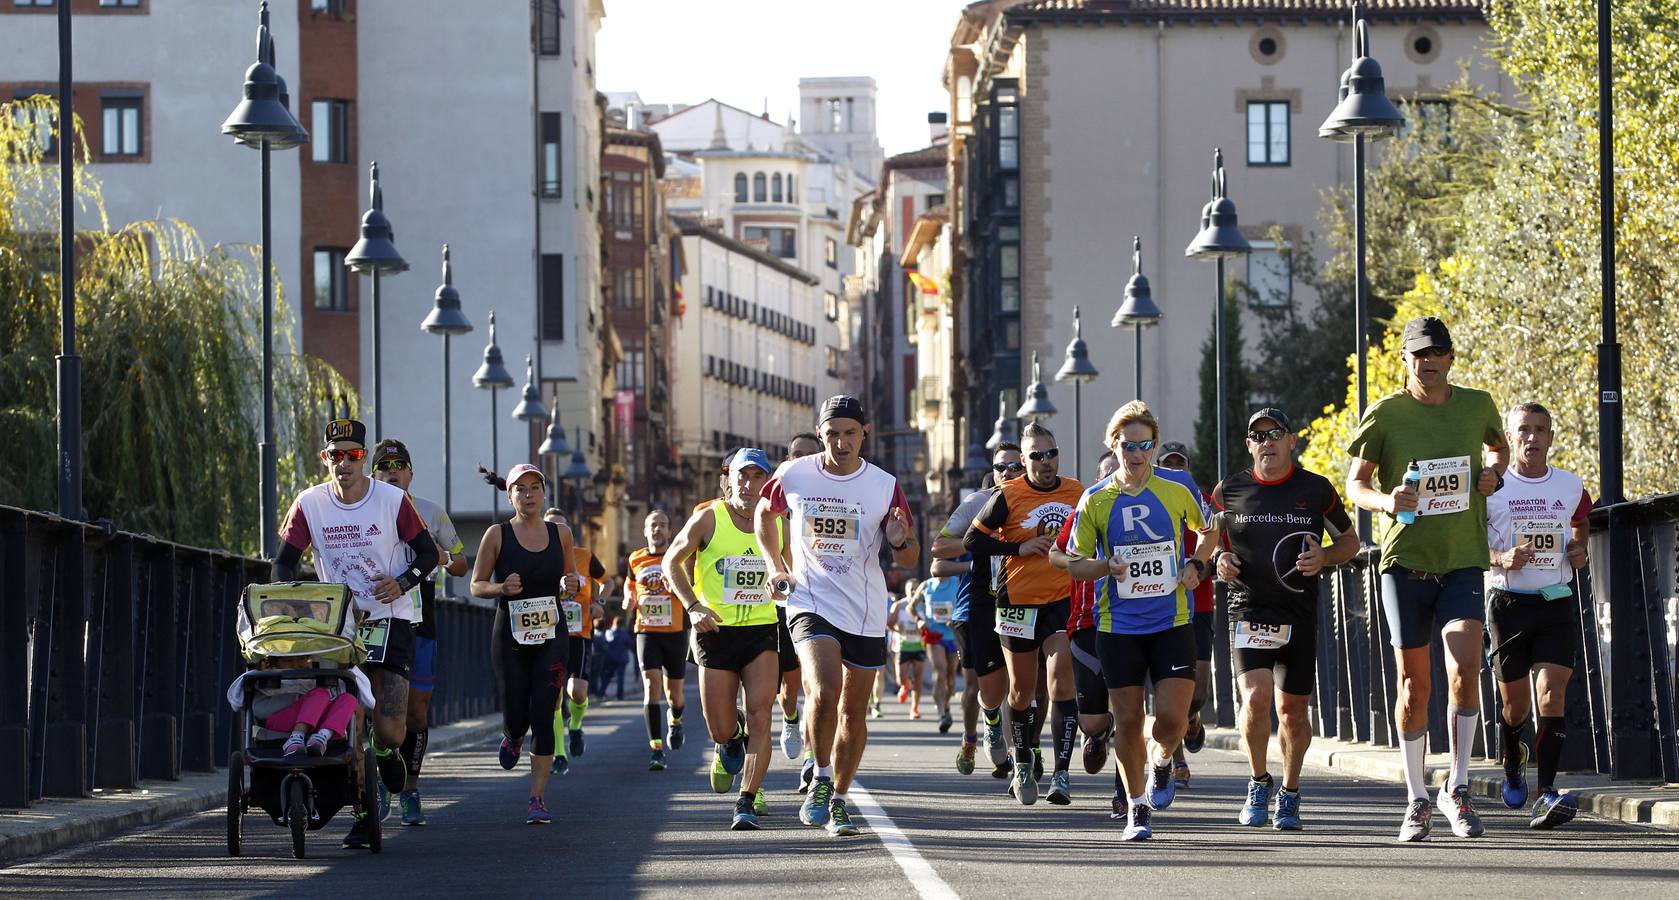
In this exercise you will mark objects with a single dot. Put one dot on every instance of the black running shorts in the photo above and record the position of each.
(667, 650)
(1294, 665)
(1129, 659)
(856, 651)
(1527, 630)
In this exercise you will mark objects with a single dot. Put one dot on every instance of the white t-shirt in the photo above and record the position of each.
(836, 525)
(357, 543)
(1539, 510)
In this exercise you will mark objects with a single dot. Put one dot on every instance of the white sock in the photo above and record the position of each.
(824, 771)
(1412, 746)
(839, 797)
(1136, 802)
(1159, 760)
(1464, 722)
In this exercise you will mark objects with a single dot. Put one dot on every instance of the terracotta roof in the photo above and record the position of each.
(1118, 10)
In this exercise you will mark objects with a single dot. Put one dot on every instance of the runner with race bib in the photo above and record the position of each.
(661, 638)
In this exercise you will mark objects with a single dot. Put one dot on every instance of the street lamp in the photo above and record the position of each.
(1218, 240)
(1609, 435)
(492, 376)
(976, 463)
(446, 319)
(263, 122)
(1362, 113)
(1139, 310)
(1078, 369)
(1037, 405)
(530, 408)
(578, 472)
(1002, 429)
(375, 254)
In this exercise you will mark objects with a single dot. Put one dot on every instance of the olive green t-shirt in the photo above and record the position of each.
(1447, 441)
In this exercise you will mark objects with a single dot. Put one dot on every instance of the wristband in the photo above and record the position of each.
(898, 548)
(1199, 565)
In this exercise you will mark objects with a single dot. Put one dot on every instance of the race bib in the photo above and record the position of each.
(1017, 621)
(1444, 488)
(1550, 541)
(1151, 570)
(534, 619)
(745, 581)
(573, 616)
(833, 530)
(656, 612)
(1260, 636)
(375, 636)
(940, 610)
(911, 645)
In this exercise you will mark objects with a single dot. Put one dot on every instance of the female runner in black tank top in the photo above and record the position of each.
(528, 676)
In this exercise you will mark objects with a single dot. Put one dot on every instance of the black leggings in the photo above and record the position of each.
(528, 678)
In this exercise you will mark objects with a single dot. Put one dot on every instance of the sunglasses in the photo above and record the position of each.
(1135, 446)
(1269, 434)
(338, 456)
(1001, 468)
(389, 465)
(1428, 352)
(1037, 455)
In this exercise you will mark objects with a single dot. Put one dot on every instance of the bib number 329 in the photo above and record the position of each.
(1017, 621)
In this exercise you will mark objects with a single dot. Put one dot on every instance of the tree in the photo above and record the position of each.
(1237, 387)
(168, 335)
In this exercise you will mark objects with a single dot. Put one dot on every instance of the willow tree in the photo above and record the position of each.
(169, 333)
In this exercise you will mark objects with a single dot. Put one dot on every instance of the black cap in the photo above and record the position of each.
(391, 448)
(346, 430)
(1174, 447)
(1424, 332)
(843, 406)
(1275, 415)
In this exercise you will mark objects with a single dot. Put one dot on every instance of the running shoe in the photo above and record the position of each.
(1417, 822)
(1003, 770)
(1060, 789)
(791, 741)
(874, 711)
(721, 778)
(1024, 787)
(915, 712)
(1196, 737)
(807, 774)
(1037, 764)
(815, 808)
(945, 721)
(994, 744)
(673, 735)
(657, 763)
(965, 759)
(746, 818)
(296, 745)
(1161, 788)
(1553, 809)
(412, 814)
(561, 766)
(1258, 806)
(903, 693)
(1095, 753)
(537, 813)
(384, 803)
(1120, 809)
(393, 772)
(510, 752)
(1180, 774)
(759, 806)
(357, 839)
(576, 747)
(1460, 812)
(1514, 787)
(839, 820)
(1138, 828)
(1288, 811)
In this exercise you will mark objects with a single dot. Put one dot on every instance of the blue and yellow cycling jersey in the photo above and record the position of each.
(1146, 529)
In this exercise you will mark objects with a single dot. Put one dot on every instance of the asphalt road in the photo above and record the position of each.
(621, 831)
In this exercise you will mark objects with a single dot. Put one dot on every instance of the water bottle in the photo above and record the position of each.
(1413, 477)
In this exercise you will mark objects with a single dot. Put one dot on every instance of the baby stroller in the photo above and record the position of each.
(303, 791)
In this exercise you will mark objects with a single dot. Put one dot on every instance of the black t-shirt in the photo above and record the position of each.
(1266, 525)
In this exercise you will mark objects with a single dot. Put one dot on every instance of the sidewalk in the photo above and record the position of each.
(1643, 803)
(55, 823)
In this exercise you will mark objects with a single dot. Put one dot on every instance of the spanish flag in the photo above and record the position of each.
(676, 289)
(927, 285)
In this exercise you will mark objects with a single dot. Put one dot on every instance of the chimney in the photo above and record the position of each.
(938, 127)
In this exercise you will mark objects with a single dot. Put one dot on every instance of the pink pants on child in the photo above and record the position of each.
(316, 709)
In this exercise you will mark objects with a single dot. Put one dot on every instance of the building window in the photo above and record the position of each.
(632, 370)
(830, 306)
(1008, 296)
(1008, 129)
(123, 4)
(1011, 192)
(760, 193)
(934, 201)
(1011, 337)
(630, 288)
(548, 17)
(835, 121)
(34, 3)
(831, 359)
(775, 187)
(550, 154)
(830, 253)
(121, 123)
(624, 200)
(41, 120)
(792, 196)
(332, 290)
(1270, 275)
(329, 124)
(740, 187)
(780, 240)
(1268, 133)
(333, 8)
(553, 297)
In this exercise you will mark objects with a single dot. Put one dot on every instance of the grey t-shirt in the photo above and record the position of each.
(449, 541)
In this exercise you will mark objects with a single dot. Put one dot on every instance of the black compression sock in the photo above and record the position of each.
(414, 750)
(676, 712)
(1511, 735)
(1553, 730)
(655, 720)
(993, 716)
(1066, 729)
(1019, 728)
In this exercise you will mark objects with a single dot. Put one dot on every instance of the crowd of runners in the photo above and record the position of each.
(1047, 603)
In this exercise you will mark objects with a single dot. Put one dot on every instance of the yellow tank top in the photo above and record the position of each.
(733, 579)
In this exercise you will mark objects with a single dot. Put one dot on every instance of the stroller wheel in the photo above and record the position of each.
(297, 812)
(235, 802)
(370, 799)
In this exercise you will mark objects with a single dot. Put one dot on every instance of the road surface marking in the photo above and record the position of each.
(926, 882)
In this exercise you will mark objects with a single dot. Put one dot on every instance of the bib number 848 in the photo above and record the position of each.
(1146, 567)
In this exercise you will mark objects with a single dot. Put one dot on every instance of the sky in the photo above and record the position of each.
(746, 51)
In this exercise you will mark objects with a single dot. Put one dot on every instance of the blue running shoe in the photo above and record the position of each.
(412, 814)
(994, 746)
(815, 810)
(1257, 808)
(746, 818)
(1138, 828)
(537, 813)
(1161, 788)
(733, 752)
(1553, 809)
(384, 803)
(1514, 786)
(1288, 811)
(839, 821)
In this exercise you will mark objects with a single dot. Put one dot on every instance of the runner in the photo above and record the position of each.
(580, 611)
(392, 465)
(1129, 539)
(366, 534)
(1273, 518)
(794, 730)
(841, 509)
(1033, 605)
(661, 638)
(735, 632)
(905, 622)
(1537, 531)
(1434, 556)
(935, 601)
(1173, 465)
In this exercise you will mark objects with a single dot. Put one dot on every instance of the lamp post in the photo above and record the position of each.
(261, 121)
(1037, 405)
(975, 465)
(1138, 311)
(1218, 240)
(1609, 350)
(578, 473)
(446, 319)
(1078, 369)
(492, 376)
(1002, 429)
(1362, 113)
(375, 254)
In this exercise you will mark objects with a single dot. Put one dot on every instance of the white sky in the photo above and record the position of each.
(742, 51)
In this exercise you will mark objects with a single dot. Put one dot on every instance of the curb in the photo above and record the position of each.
(58, 823)
(1638, 803)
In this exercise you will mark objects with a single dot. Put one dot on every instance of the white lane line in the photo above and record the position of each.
(926, 882)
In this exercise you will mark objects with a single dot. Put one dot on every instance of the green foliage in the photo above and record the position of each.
(169, 338)
(1237, 386)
